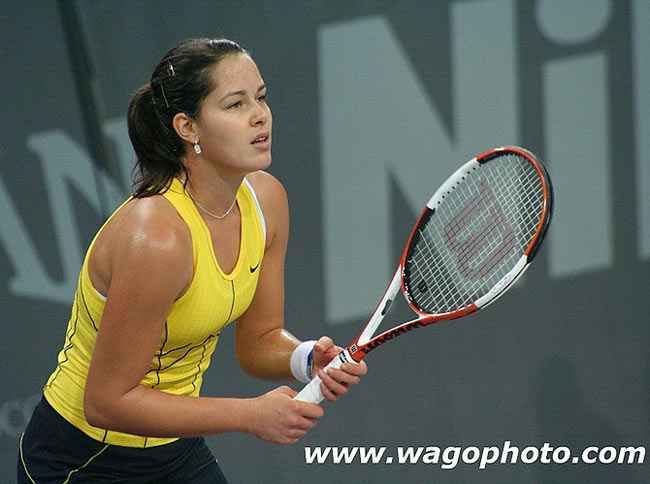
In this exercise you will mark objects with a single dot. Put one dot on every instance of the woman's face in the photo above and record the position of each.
(234, 126)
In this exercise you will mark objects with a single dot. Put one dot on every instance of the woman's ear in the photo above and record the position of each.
(185, 127)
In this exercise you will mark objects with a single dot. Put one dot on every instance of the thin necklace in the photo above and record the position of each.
(219, 217)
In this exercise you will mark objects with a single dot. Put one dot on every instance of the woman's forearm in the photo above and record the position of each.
(153, 413)
(268, 357)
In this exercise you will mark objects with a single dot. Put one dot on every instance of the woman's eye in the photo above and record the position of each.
(262, 98)
(235, 105)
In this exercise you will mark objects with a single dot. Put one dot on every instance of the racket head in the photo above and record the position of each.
(478, 233)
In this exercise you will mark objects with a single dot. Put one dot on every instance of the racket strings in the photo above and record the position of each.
(487, 228)
(478, 233)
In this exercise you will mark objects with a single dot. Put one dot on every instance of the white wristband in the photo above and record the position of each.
(301, 361)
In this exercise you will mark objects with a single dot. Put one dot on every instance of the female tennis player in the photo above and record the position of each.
(200, 243)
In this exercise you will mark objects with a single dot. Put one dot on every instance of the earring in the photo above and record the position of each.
(197, 148)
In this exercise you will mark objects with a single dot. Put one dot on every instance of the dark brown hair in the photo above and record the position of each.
(179, 83)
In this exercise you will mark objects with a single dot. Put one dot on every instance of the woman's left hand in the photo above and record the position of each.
(336, 382)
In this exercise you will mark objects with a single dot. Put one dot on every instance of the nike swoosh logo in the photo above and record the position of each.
(253, 269)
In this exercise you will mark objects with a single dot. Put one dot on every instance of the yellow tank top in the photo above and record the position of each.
(192, 328)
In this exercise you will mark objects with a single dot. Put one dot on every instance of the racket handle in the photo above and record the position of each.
(311, 392)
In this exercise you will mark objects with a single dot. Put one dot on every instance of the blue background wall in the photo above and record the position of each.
(374, 104)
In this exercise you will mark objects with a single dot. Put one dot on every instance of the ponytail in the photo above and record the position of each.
(157, 149)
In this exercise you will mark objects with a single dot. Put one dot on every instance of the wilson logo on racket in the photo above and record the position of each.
(480, 234)
(476, 236)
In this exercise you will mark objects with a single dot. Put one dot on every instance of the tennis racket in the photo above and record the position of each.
(475, 237)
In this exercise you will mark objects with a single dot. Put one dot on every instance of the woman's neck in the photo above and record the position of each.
(213, 191)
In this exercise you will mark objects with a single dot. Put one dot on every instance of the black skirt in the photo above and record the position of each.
(54, 451)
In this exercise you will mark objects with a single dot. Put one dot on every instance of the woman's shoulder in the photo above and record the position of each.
(270, 192)
(151, 218)
(273, 201)
(144, 231)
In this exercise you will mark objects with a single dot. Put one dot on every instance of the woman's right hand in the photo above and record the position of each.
(277, 417)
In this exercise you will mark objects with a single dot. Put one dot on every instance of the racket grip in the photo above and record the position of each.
(311, 392)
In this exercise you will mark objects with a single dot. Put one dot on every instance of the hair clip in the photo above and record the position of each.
(164, 97)
(170, 69)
